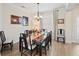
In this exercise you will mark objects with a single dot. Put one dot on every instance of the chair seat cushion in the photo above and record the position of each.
(43, 44)
(8, 41)
(29, 47)
(44, 36)
(33, 47)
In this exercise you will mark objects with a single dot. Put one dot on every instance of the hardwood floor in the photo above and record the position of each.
(57, 49)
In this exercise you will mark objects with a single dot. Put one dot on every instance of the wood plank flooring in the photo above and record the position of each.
(57, 49)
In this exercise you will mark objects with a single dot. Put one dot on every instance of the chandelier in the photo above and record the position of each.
(38, 17)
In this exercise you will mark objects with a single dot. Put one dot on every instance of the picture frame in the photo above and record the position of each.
(15, 19)
(19, 20)
(24, 21)
(60, 21)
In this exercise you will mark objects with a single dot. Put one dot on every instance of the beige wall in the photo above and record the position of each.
(71, 17)
(68, 24)
(58, 14)
(12, 31)
(47, 21)
(0, 16)
(75, 18)
(0, 22)
(68, 27)
(61, 14)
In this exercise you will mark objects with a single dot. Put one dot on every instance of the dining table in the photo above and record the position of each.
(38, 39)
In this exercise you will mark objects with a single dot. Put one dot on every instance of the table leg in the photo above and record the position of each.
(40, 50)
(20, 44)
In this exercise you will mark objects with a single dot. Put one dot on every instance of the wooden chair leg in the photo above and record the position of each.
(1, 49)
(11, 44)
(40, 51)
(21, 53)
(48, 46)
(31, 53)
(45, 51)
(51, 42)
(37, 50)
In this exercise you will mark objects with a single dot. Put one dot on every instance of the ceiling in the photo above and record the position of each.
(43, 7)
(32, 7)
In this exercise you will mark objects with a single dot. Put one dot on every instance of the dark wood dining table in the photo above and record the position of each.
(38, 40)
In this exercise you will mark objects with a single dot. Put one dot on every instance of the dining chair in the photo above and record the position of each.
(5, 44)
(30, 31)
(27, 47)
(50, 37)
(45, 44)
(26, 31)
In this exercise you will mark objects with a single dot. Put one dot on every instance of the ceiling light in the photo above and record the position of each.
(38, 17)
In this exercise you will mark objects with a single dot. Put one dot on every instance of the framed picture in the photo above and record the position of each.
(15, 19)
(19, 20)
(24, 21)
(60, 21)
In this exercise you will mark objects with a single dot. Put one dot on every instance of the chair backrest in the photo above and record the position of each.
(50, 34)
(30, 31)
(46, 40)
(26, 32)
(30, 43)
(2, 35)
(43, 30)
(23, 39)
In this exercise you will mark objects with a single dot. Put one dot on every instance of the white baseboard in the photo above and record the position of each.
(68, 42)
(77, 42)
